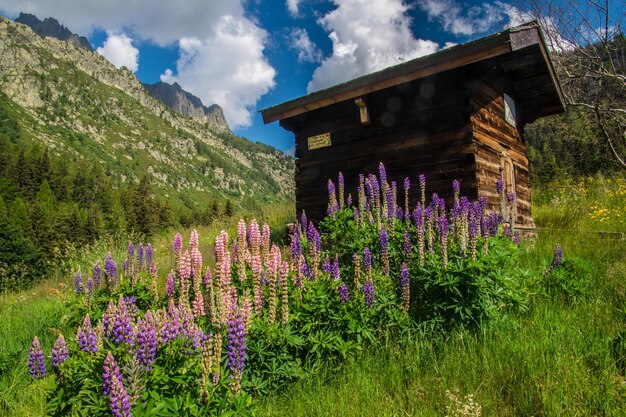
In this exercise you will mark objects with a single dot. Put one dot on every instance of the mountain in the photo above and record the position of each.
(185, 103)
(76, 103)
(172, 95)
(51, 27)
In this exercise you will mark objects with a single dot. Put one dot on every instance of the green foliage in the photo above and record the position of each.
(568, 282)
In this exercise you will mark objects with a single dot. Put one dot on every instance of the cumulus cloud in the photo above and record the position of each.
(301, 43)
(467, 21)
(119, 50)
(235, 80)
(293, 7)
(367, 35)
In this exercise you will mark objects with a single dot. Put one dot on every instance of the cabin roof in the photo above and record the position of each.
(521, 51)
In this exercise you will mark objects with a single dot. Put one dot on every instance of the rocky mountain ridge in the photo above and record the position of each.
(51, 27)
(185, 103)
(74, 100)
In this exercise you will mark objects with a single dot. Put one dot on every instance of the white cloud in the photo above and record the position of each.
(293, 7)
(235, 79)
(307, 50)
(161, 21)
(119, 50)
(469, 21)
(367, 35)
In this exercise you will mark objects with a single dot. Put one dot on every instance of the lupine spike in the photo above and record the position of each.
(36, 365)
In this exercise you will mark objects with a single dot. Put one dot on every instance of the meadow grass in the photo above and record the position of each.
(555, 359)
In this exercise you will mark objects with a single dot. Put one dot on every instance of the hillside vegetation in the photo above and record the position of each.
(77, 104)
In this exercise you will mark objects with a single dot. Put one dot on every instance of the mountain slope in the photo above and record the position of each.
(185, 103)
(74, 100)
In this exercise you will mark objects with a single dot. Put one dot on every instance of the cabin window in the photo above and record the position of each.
(509, 110)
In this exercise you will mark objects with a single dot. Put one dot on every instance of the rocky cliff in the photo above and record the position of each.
(185, 103)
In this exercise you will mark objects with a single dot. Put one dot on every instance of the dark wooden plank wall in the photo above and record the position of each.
(421, 127)
(493, 135)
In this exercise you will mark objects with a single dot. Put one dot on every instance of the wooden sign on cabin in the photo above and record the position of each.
(456, 114)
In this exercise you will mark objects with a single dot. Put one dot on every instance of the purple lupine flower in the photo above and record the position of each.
(500, 185)
(407, 246)
(125, 266)
(36, 365)
(456, 186)
(334, 270)
(146, 344)
(332, 198)
(86, 336)
(367, 258)
(78, 282)
(382, 173)
(177, 246)
(314, 237)
(341, 183)
(384, 248)
(304, 221)
(89, 286)
(407, 184)
(110, 271)
(349, 200)
(442, 224)
(119, 402)
(237, 331)
(404, 276)
(482, 201)
(171, 326)
(170, 287)
(422, 181)
(97, 275)
(368, 292)
(510, 197)
(305, 270)
(149, 254)
(473, 226)
(296, 245)
(111, 371)
(122, 327)
(264, 279)
(140, 257)
(344, 293)
(405, 287)
(326, 266)
(59, 353)
(130, 250)
(557, 260)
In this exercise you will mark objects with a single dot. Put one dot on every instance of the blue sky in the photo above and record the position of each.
(250, 54)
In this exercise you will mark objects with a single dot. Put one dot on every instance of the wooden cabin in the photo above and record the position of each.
(456, 114)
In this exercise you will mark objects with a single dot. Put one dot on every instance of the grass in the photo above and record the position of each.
(556, 358)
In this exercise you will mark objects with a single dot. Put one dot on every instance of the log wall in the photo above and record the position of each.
(494, 140)
(416, 128)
